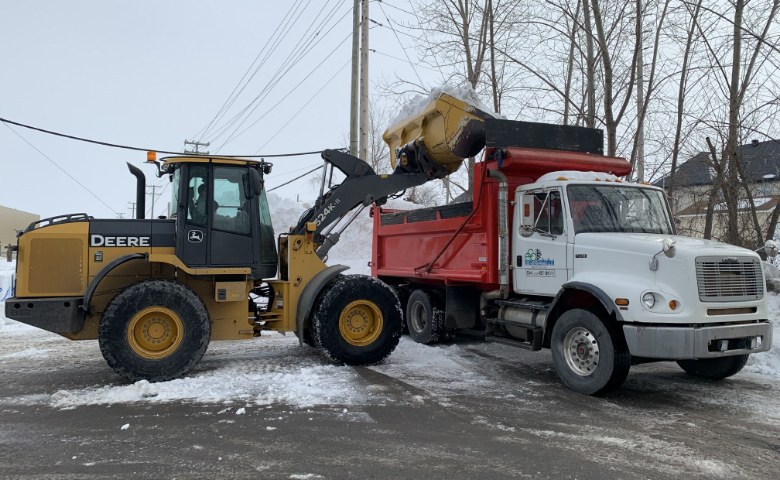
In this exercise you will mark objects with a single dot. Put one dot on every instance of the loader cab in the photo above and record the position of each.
(222, 215)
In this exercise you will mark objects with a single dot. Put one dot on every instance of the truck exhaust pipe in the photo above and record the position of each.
(140, 191)
(503, 232)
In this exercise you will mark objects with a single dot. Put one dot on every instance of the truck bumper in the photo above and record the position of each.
(58, 315)
(683, 343)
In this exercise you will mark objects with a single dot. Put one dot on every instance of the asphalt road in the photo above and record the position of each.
(496, 413)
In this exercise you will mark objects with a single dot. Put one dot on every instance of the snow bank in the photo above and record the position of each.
(7, 270)
(768, 363)
(416, 106)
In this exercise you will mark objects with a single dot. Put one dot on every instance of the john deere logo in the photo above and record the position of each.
(195, 236)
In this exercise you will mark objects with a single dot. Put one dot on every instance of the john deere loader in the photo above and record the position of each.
(155, 292)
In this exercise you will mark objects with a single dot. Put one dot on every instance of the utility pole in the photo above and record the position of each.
(353, 110)
(640, 97)
(154, 196)
(132, 209)
(197, 146)
(364, 82)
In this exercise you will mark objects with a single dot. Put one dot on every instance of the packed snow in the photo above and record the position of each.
(417, 105)
(574, 175)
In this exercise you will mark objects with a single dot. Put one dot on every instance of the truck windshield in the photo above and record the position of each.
(618, 208)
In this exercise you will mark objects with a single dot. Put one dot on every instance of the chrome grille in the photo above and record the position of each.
(729, 279)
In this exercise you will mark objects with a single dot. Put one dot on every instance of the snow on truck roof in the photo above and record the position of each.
(569, 175)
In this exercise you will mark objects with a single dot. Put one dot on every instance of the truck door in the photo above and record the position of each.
(539, 242)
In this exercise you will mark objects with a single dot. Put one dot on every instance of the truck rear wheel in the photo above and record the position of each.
(156, 330)
(586, 355)
(714, 368)
(357, 320)
(424, 321)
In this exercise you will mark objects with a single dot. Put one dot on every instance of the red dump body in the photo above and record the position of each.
(457, 244)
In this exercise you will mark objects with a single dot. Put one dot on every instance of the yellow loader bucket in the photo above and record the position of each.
(450, 129)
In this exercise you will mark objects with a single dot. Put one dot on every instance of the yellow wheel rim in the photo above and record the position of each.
(360, 323)
(155, 332)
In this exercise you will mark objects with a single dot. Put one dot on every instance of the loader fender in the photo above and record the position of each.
(571, 296)
(102, 274)
(309, 294)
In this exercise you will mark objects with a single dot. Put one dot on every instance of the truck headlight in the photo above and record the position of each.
(648, 299)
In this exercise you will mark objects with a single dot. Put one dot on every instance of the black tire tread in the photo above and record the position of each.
(169, 294)
(714, 368)
(327, 309)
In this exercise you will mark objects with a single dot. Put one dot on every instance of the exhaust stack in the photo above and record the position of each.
(140, 191)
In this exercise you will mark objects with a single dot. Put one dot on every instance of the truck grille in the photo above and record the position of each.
(729, 279)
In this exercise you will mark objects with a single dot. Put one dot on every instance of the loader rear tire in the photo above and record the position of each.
(356, 320)
(424, 320)
(156, 330)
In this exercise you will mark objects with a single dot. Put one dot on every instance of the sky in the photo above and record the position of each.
(152, 74)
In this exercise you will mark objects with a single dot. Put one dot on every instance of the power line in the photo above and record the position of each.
(307, 103)
(294, 179)
(60, 168)
(267, 112)
(274, 43)
(403, 49)
(301, 49)
(140, 149)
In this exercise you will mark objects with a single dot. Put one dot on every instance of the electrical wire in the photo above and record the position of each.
(295, 115)
(403, 49)
(274, 43)
(141, 149)
(299, 51)
(270, 109)
(60, 168)
(296, 178)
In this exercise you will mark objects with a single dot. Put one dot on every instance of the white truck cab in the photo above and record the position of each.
(660, 296)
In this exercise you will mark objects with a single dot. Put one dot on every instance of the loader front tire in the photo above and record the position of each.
(356, 320)
(156, 330)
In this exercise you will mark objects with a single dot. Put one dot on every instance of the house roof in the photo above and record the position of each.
(763, 204)
(760, 159)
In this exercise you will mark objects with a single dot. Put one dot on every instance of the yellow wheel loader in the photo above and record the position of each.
(155, 292)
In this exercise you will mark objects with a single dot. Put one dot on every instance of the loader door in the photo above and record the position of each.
(192, 235)
(231, 226)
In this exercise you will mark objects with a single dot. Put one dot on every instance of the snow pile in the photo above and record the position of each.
(417, 105)
(574, 175)
(768, 363)
(301, 384)
(7, 270)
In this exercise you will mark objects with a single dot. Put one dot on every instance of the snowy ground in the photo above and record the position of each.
(463, 410)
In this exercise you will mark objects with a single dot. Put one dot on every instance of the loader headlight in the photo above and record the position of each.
(648, 299)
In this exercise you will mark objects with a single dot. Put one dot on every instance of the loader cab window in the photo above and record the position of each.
(197, 200)
(267, 240)
(174, 177)
(231, 200)
(549, 212)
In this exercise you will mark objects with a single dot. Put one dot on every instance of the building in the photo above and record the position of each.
(695, 178)
(12, 220)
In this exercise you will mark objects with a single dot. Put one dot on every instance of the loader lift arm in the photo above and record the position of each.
(362, 187)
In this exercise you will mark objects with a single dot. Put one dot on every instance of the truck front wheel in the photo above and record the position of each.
(714, 368)
(357, 320)
(586, 355)
(424, 320)
(156, 330)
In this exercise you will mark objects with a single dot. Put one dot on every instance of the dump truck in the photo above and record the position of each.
(156, 292)
(556, 251)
